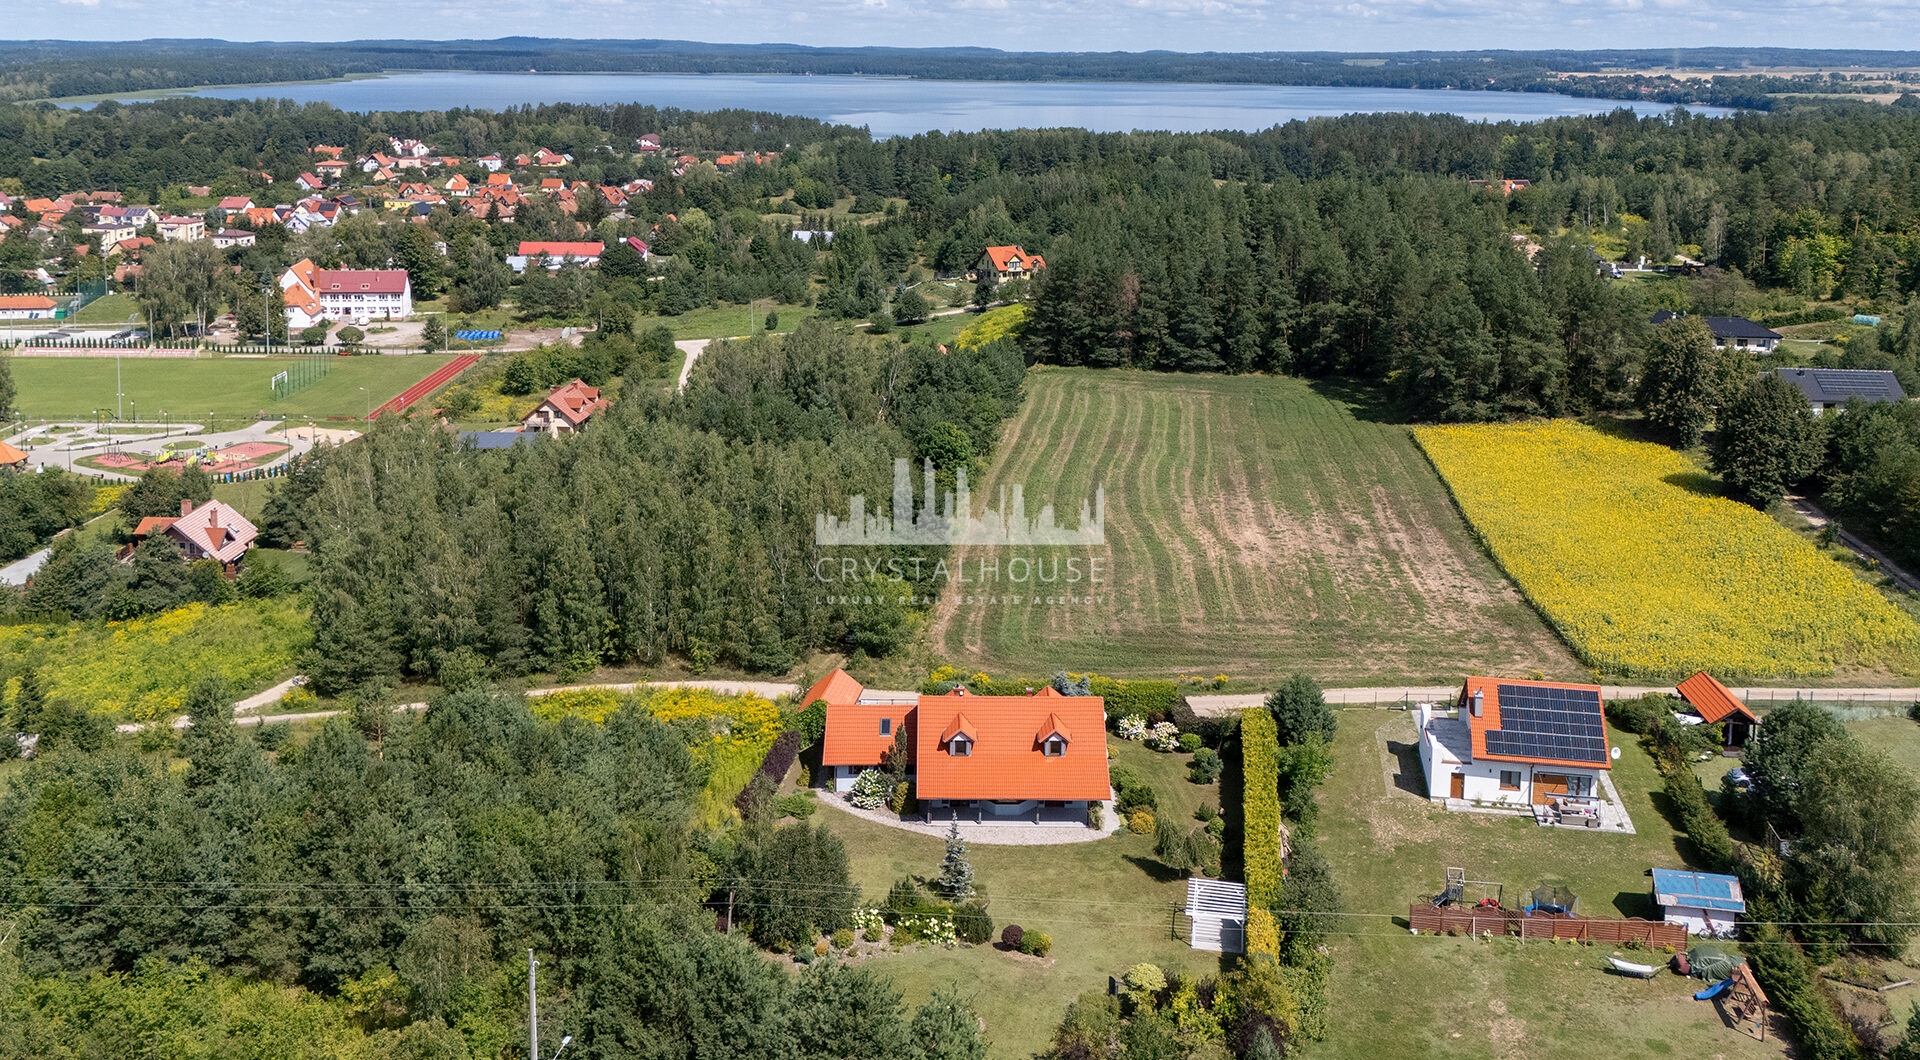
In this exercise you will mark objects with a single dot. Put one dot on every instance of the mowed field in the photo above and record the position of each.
(71, 388)
(1254, 526)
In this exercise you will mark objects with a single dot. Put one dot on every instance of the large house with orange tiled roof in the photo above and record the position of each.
(1007, 263)
(566, 409)
(211, 531)
(28, 307)
(1523, 745)
(1030, 757)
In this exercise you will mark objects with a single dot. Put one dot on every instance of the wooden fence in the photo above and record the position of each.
(1467, 921)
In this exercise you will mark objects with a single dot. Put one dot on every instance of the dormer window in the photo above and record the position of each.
(1054, 747)
(886, 726)
(960, 747)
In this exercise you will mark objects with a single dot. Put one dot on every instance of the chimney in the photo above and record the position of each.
(186, 509)
(1479, 701)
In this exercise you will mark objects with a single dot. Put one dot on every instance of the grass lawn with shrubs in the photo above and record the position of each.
(1108, 905)
(1395, 994)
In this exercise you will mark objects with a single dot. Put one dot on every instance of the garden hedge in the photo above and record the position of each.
(1793, 986)
(1260, 809)
(780, 758)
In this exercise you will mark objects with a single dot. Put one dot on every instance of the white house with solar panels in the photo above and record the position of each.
(1530, 746)
(1707, 903)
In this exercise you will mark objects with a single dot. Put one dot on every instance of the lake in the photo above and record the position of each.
(902, 107)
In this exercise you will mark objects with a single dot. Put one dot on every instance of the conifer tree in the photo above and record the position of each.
(955, 882)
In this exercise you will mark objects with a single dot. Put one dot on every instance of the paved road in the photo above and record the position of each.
(1215, 706)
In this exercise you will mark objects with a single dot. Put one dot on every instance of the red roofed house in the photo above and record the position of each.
(544, 157)
(1007, 263)
(1714, 704)
(211, 531)
(314, 294)
(557, 253)
(978, 757)
(309, 182)
(233, 204)
(551, 184)
(566, 409)
(1523, 745)
(27, 307)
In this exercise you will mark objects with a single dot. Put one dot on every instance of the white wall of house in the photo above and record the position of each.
(842, 777)
(1718, 923)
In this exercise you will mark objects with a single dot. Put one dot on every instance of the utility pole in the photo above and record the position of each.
(533, 1010)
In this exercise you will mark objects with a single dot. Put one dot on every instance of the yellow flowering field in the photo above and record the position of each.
(143, 668)
(1648, 578)
(740, 729)
(992, 326)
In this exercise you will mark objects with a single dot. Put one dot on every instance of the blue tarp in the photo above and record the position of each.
(476, 336)
(1697, 890)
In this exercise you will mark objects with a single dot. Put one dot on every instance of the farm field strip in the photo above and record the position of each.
(1648, 573)
(1253, 526)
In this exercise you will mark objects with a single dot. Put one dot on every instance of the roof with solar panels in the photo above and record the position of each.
(1542, 722)
(1835, 386)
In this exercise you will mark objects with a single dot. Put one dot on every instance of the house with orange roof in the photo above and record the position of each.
(550, 159)
(566, 409)
(27, 307)
(233, 204)
(1715, 704)
(499, 180)
(457, 185)
(1007, 263)
(1040, 757)
(129, 247)
(332, 153)
(42, 206)
(551, 184)
(1538, 747)
(210, 531)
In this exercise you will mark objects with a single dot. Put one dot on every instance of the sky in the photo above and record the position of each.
(1036, 25)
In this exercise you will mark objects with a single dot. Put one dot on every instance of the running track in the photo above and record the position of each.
(426, 386)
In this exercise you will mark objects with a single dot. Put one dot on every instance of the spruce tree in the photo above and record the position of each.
(956, 873)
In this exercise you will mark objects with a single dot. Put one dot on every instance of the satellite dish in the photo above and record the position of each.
(1616, 754)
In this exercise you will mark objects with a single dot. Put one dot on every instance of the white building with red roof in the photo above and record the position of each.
(358, 295)
(566, 409)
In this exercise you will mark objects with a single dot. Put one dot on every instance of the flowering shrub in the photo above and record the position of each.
(1140, 822)
(1163, 737)
(1647, 577)
(935, 928)
(1036, 943)
(866, 917)
(1131, 727)
(869, 790)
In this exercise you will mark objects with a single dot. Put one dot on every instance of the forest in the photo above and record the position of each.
(679, 525)
(42, 69)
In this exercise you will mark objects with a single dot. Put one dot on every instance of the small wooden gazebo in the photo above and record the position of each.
(12, 459)
(1716, 705)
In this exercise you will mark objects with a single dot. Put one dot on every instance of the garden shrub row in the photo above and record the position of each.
(1260, 814)
(1792, 983)
(780, 758)
(1153, 700)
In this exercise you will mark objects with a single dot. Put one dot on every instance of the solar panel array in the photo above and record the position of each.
(1558, 723)
(1841, 382)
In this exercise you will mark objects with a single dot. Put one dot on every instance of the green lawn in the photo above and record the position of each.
(727, 321)
(1899, 737)
(231, 388)
(114, 308)
(1254, 525)
(1108, 905)
(1399, 995)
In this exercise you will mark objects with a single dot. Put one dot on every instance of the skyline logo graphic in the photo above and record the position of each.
(955, 523)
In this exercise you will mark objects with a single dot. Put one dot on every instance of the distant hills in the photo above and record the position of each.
(1748, 77)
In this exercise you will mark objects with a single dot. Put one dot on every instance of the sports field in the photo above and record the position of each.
(1254, 526)
(68, 388)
